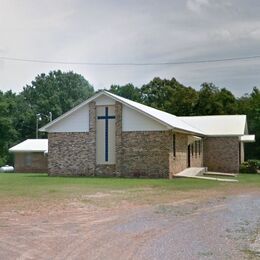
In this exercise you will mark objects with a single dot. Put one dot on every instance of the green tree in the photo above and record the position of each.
(127, 91)
(250, 105)
(170, 96)
(8, 133)
(56, 92)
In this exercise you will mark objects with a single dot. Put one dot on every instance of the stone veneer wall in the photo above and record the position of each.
(221, 154)
(179, 162)
(39, 163)
(119, 145)
(138, 154)
(145, 154)
(197, 159)
(73, 153)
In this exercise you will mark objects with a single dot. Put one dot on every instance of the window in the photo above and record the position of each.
(199, 146)
(192, 149)
(28, 159)
(174, 145)
(196, 150)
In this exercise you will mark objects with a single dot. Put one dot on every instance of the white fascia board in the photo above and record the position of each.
(247, 138)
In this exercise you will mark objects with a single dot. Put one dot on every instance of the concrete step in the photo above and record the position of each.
(192, 171)
(214, 179)
(198, 172)
(221, 174)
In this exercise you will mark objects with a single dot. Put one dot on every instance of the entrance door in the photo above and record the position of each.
(188, 154)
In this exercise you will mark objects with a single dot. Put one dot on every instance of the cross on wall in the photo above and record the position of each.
(106, 117)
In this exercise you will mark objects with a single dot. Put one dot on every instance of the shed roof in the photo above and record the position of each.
(31, 145)
(219, 125)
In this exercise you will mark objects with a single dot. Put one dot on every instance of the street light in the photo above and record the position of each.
(39, 118)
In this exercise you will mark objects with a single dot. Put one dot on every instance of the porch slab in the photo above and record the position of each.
(221, 174)
(197, 173)
(191, 172)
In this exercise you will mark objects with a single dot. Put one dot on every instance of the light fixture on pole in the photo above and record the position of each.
(39, 118)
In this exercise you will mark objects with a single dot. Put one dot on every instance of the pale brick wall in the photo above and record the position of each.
(221, 154)
(74, 153)
(197, 159)
(71, 154)
(179, 162)
(146, 154)
(141, 153)
(38, 164)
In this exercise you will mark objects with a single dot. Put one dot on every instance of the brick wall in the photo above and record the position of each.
(74, 153)
(221, 154)
(197, 158)
(179, 162)
(38, 162)
(145, 154)
(138, 154)
(71, 154)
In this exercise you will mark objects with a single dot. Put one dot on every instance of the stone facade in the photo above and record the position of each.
(71, 154)
(119, 145)
(221, 154)
(146, 154)
(138, 153)
(196, 160)
(179, 162)
(30, 162)
(74, 153)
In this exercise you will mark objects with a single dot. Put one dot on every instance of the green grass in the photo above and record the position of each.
(40, 185)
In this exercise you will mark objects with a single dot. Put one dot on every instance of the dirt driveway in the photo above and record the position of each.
(220, 226)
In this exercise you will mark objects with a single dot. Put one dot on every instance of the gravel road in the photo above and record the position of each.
(227, 227)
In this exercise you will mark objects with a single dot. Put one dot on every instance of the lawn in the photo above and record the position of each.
(45, 217)
(40, 185)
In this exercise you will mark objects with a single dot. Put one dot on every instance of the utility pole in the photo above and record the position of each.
(39, 118)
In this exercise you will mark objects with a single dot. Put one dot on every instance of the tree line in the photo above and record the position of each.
(58, 92)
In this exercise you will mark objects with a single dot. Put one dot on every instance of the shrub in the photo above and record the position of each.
(249, 166)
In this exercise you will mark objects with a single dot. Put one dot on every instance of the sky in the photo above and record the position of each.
(136, 31)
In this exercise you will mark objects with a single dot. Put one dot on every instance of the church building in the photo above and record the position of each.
(108, 135)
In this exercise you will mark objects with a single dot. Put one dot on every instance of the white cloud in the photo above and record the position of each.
(122, 31)
(196, 5)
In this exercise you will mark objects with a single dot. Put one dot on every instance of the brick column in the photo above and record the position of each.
(92, 135)
(118, 130)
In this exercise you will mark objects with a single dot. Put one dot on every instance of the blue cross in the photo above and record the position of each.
(106, 117)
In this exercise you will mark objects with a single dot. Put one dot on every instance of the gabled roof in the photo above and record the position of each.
(31, 145)
(169, 120)
(220, 125)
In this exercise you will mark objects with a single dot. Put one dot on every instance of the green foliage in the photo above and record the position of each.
(127, 91)
(56, 92)
(173, 97)
(8, 134)
(215, 101)
(249, 166)
(169, 96)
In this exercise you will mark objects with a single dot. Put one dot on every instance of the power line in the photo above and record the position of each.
(132, 63)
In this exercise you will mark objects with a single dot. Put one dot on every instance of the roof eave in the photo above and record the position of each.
(68, 113)
(108, 94)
